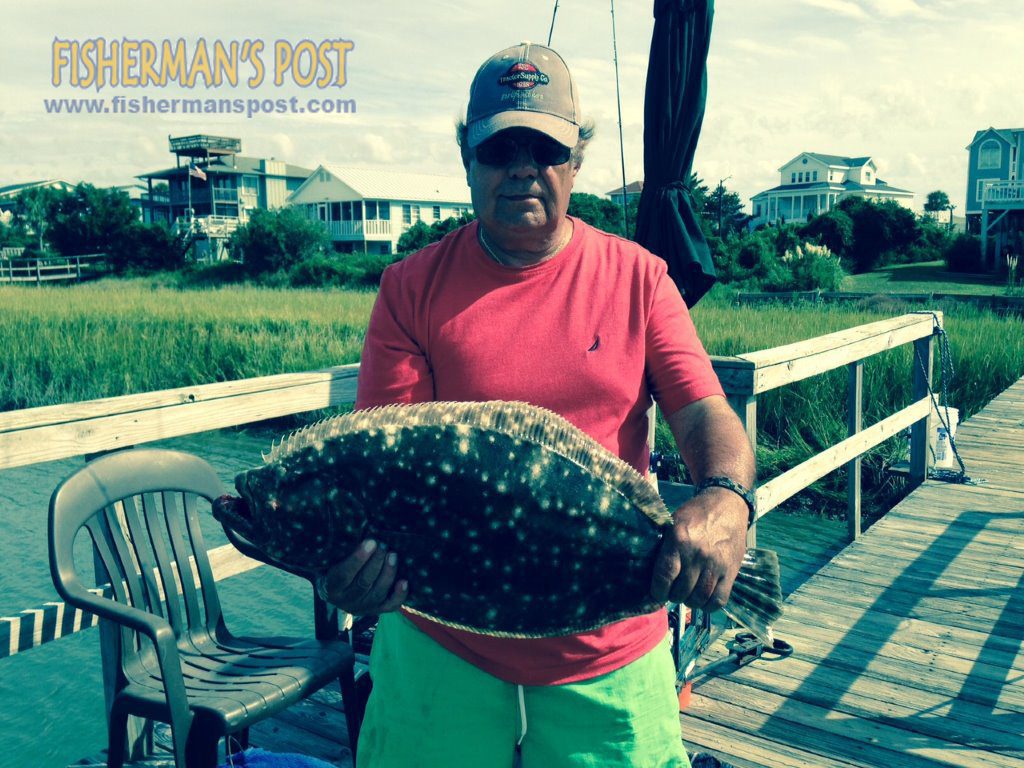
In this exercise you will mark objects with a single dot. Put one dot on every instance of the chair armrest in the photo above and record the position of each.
(157, 629)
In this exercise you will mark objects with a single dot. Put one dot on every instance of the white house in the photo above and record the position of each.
(368, 209)
(812, 183)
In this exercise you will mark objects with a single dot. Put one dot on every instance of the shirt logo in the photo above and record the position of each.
(595, 345)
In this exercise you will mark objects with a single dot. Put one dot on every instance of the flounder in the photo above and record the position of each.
(508, 520)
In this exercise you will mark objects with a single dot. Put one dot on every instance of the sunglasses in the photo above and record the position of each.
(502, 150)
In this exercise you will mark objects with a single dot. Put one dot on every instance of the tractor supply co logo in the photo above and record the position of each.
(523, 76)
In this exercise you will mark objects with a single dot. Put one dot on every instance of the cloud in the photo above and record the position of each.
(842, 7)
(894, 9)
(762, 49)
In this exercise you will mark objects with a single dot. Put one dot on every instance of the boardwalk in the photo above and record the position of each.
(908, 644)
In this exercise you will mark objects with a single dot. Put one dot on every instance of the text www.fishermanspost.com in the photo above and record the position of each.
(250, 107)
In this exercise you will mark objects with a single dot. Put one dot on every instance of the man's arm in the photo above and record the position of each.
(699, 561)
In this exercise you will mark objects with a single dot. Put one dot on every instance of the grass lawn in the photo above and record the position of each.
(923, 277)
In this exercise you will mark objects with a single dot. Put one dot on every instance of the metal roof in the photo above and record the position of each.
(385, 184)
(232, 164)
(851, 162)
(633, 188)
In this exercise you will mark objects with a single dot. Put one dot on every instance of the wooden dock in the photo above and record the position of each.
(909, 644)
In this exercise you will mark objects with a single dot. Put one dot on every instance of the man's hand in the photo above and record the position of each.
(701, 556)
(364, 583)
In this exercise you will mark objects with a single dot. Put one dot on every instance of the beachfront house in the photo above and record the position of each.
(366, 210)
(812, 183)
(995, 191)
(212, 189)
(624, 196)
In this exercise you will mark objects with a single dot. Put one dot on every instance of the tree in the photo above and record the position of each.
(277, 240)
(937, 201)
(833, 229)
(36, 205)
(601, 212)
(725, 209)
(90, 220)
(420, 235)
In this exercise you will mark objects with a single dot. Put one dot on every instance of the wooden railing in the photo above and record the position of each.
(56, 432)
(45, 269)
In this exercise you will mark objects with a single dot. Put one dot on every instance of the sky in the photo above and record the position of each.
(907, 82)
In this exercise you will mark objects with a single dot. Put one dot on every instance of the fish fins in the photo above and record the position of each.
(756, 599)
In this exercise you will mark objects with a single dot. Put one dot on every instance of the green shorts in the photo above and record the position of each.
(430, 708)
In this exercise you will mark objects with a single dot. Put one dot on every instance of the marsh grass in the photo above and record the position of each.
(116, 337)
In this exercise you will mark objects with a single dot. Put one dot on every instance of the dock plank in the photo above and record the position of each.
(908, 644)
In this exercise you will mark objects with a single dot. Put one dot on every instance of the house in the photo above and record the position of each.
(368, 209)
(9, 194)
(995, 190)
(812, 183)
(632, 192)
(212, 188)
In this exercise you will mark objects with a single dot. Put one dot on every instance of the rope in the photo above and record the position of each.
(947, 374)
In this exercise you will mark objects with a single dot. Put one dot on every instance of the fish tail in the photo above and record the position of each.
(756, 599)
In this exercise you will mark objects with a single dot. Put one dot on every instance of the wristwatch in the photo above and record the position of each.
(731, 485)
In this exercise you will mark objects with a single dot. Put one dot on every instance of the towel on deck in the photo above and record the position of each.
(259, 758)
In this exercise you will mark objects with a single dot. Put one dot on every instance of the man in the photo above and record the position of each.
(530, 304)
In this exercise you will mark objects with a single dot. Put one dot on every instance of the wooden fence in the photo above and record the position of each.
(48, 433)
(45, 269)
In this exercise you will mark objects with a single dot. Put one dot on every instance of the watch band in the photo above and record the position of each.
(731, 485)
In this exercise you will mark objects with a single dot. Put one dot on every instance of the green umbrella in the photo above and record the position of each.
(673, 112)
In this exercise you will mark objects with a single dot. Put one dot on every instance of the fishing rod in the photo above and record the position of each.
(618, 103)
(552, 30)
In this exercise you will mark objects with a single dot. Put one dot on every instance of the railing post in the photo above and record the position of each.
(920, 431)
(746, 408)
(854, 424)
(78, 269)
(39, 276)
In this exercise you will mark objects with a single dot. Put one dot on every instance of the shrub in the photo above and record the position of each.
(277, 240)
(146, 248)
(833, 229)
(964, 254)
(346, 271)
(212, 275)
(813, 267)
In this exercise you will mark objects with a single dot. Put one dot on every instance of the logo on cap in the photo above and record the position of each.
(522, 76)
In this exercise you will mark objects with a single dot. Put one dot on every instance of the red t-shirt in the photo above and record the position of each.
(593, 334)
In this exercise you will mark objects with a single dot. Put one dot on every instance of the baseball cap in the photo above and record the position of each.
(525, 86)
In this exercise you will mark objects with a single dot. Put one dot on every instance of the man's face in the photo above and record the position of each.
(523, 199)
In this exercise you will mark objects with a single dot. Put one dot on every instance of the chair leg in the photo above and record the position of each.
(117, 736)
(355, 707)
(201, 749)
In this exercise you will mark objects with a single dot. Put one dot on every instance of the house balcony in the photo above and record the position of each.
(358, 230)
(203, 196)
(210, 226)
(1003, 195)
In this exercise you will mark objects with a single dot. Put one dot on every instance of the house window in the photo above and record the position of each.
(384, 210)
(346, 211)
(815, 176)
(981, 187)
(792, 179)
(335, 211)
(371, 210)
(357, 210)
(437, 213)
(990, 155)
(250, 184)
(410, 213)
